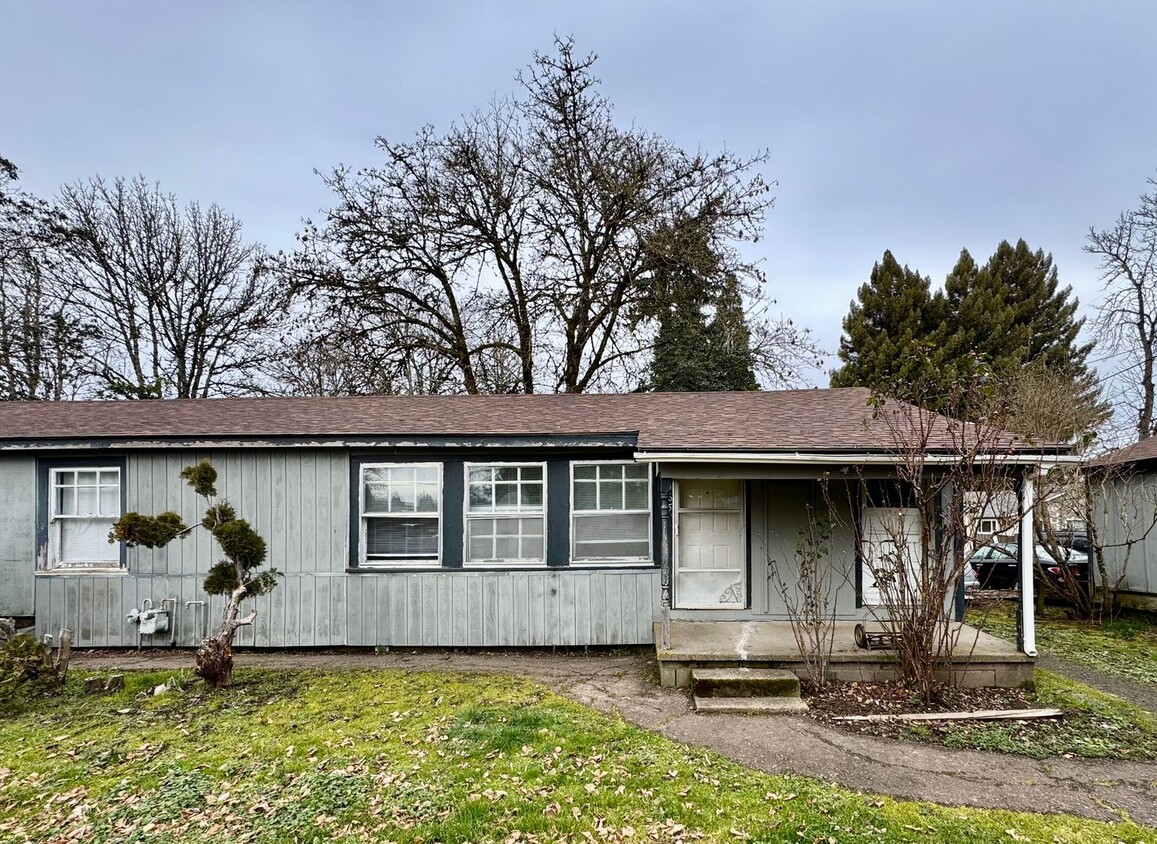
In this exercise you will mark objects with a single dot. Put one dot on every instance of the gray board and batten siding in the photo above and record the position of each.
(300, 500)
(17, 534)
(1124, 508)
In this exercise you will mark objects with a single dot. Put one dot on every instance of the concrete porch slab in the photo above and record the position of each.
(773, 641)
(978, 659)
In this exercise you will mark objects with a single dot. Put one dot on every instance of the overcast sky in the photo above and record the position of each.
(920, 127)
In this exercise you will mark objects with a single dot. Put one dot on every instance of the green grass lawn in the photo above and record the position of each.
(432, 757)
(1126, 647)
(1096, 725)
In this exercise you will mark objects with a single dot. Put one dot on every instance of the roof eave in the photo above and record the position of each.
(844, 458)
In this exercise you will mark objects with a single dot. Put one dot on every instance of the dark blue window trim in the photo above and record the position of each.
(558, 504)
(44, 465)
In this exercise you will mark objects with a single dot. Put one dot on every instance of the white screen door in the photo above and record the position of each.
(710, 563)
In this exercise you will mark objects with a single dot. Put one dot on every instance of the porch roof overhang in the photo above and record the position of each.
(1038, 460)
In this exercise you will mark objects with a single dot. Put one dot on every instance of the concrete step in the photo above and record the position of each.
(749, 705)
(744, 682)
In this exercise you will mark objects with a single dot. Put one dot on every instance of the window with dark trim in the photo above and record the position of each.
(401, 514)
(505, 513)
(610, 513)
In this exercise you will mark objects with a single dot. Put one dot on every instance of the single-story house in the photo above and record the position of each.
(447, 521)
(1123, 486)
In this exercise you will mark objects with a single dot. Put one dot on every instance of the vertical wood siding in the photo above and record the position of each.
(17, 534)
(1124, 513)
(299, 501)
(404, 609)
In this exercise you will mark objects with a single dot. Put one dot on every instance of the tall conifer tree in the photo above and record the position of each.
(730, 341)
(891, 332)
(1004, 319)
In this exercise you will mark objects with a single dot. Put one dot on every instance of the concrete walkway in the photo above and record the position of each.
(1143, 695)
(619, 684)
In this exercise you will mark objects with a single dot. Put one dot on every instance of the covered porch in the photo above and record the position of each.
(978, 659)
(732, 530)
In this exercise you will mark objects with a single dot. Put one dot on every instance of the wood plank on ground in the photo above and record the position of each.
(978, 715)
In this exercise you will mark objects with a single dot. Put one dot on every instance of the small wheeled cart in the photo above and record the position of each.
(876, 638)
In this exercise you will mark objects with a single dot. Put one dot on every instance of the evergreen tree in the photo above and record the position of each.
(982, 324)
(892, 334)
(1001, 319)
(729, 341)
(682, 361)
(1043, 316)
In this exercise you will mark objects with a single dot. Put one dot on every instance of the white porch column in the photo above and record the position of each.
(1027, 626)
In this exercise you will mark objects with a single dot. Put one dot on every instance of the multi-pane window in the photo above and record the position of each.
(84, 504)
(611, 513)
(401, 514)
(504, 513)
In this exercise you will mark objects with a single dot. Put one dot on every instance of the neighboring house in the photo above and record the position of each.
(478, 521)
(1123, 486)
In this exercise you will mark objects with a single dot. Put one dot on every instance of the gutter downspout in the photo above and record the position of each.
(1027, 626)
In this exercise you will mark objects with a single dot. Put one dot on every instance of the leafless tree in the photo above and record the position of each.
(807, 583)
(917, 526)
(513, 247)
(1127, 316)
(181, 303)
(334, 352)
(43, 337)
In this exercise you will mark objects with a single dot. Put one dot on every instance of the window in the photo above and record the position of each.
(504, 514)
(401, 514)
(84, 503)
(611, 513)
(987, 528)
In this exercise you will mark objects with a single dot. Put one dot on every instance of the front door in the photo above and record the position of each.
(891, 548)
(710, 563)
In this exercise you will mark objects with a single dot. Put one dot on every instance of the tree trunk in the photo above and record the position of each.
(215, 661)
(215, 654)
(63, 653)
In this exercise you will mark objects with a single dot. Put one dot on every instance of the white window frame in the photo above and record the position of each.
(987, 520)
(364, 560)
(56, 521)
(467, 516)
(575, 514)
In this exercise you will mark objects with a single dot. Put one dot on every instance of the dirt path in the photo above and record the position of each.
(1102, 789)
(1142, 694)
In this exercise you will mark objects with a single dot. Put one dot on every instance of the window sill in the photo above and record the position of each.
(613, 564)
(91, 570)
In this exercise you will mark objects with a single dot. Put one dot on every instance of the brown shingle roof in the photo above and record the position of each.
(1139, 452)
(788, 420)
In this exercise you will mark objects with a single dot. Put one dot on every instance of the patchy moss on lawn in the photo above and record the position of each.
(392, 756)
(1095, 725)
(1126, 647)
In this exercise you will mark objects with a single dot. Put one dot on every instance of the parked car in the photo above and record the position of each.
(997, 566)
(971, 581)
(1077, 540)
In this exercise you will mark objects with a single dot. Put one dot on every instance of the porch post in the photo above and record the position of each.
(666, 518)
(1027, 626)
